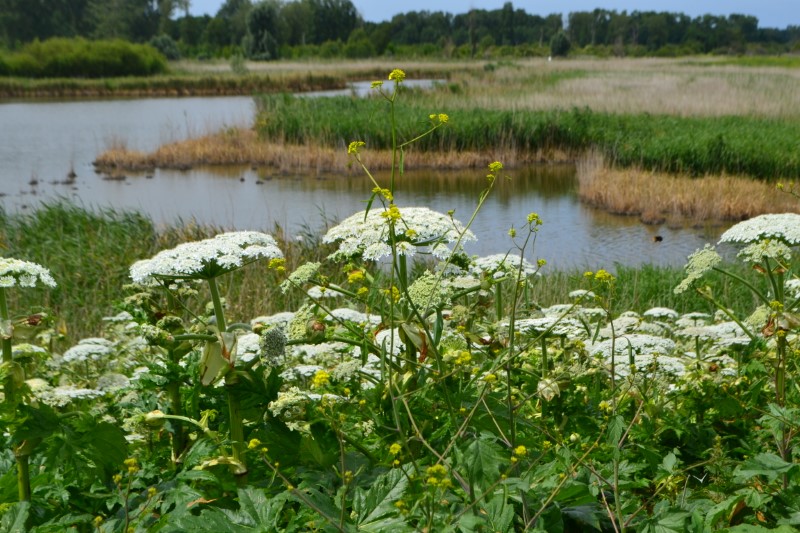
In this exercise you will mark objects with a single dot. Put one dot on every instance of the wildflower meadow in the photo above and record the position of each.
(414, 387)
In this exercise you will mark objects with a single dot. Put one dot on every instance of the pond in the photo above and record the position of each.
(41, 142)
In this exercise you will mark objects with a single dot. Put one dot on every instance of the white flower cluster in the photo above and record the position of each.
(782, 226)
(64, 395)
(699, 263)
(418, 230)
(15, 272)
(207, 258)
(91, 349)
(653, 365)
(638, 344)
(661, 312)
(501, 265)
(766, 249)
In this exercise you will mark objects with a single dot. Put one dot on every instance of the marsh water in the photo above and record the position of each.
(41, 142)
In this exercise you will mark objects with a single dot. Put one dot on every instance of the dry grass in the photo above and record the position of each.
(235, 146)
(657, 198)
(696, 87)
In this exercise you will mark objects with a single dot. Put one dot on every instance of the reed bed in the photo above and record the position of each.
(237, 146)
(763, 148)
(656, 197)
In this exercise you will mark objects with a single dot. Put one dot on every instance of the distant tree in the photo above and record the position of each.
(263, 30)
(333, 19)
(560, 44)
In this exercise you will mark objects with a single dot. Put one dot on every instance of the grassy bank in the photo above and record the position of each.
(166, 85)
(89, 254)
(758, 147)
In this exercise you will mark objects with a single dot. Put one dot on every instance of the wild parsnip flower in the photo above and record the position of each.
(206, 259)
(354, 147)
(18, 273)
(699, 263)
(397, 75)
(368, 236)
(395, 449)
(783, 226)
(321, 379)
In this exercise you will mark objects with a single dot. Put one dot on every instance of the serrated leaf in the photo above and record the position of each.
(768, 465)
(14, 518)
(500, 514)
(377, 503)
(484, 458)
(616, 427)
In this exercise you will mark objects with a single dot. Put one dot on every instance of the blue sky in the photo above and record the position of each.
(770, 13)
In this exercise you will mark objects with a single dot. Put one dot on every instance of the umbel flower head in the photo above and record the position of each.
(206, 259)
(18, 273)
(416, 229)
(784, 227)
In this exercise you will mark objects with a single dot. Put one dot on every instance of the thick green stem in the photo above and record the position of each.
(23, 478)
(5, 332)
(236, 427)
(10, 392)
(176, 406)
(215, 299)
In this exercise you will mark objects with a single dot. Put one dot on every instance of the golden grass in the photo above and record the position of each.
(237, 146)
(696, 87)
(657, 198)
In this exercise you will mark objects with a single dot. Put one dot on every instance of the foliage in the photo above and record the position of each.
(560, 45)
(80, 58)
(404, 395)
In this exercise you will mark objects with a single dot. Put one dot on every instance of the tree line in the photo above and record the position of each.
(271, 29)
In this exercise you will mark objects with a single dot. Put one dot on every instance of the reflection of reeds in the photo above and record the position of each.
(656, 197)
(242, 147)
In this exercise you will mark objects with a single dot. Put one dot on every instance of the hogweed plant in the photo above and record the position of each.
(207, 260)
(17, 273)
(767, 244)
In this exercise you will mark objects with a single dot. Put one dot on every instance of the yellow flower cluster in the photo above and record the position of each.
(321, 378)
(464, 358)
(278, 264)
(392, 214)
(439, 118)
(395, 449)
(601, 276)
(132, 464)
(436, 476)
(355, 276)
(354, 146)
(386, 193)
(397, 75)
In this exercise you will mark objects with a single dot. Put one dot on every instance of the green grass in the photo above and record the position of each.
(89, 253)
(763, 148)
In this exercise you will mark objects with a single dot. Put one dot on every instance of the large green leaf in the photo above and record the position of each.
(484, 458)
(375, 506)
(14, 518)
(768, 465)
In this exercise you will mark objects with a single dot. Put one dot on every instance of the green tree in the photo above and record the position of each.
(560, 44)
(263, 30)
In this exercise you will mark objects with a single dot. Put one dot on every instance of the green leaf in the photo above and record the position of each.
(749, 528)
(768, 465)
(500, 514)
(484, 458)
(374, 506)
(616, 427)
(15, 517)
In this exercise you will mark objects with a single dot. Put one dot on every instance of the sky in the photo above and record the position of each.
(770, 13)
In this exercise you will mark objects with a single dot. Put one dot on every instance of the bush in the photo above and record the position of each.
(167, 46)
(80, 58)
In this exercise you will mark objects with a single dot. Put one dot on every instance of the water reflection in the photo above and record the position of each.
(40, 142)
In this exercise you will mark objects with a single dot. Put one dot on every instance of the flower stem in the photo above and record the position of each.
(8, 361)
(23, 478)
(215, 299)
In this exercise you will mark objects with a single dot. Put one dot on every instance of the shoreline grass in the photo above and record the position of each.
(657, 197)
(89, 253)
